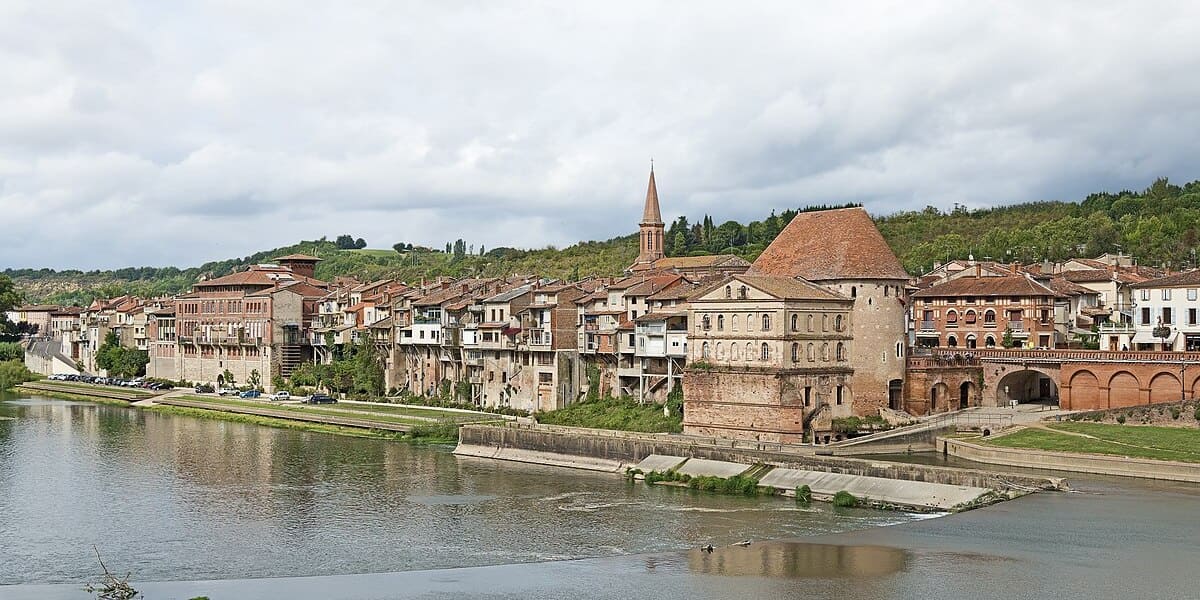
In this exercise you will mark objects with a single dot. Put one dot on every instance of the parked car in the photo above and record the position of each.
(280, 396)
(320, 399)
(158, 385)
(228, 391)
(204, 388)
(251, 394)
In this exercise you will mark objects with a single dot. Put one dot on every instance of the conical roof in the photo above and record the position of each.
(652, 215)
(830, 244)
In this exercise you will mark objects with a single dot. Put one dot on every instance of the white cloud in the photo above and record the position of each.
(178, 134)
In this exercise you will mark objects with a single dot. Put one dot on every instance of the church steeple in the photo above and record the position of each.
(651, 235)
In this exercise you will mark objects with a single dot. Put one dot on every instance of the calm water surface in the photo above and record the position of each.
(235, 511)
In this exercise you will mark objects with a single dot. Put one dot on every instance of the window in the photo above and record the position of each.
(808, 395)
(765, 355)
(704, 351)
(970, 341)
(766, 322)
(1145, 315)
(899, 349)
(743, 292)
(1191, 294)
(733, 322)
(795, 352)
(838, 398)
(989, 317)
(734, 354)
(989, 342)
(825, 352)
(706, 322)
(837, 323)
(720, 351)
(795, 322)
(841, 351)
(951, 319)
(810, 322)
(952, 342)
(824, 322)
(729, 291)
(853, 292)
(969, 317)
(886, 289)
(749, 351)
(1166, 316)
(720, 322)
(812, 353)
(1166, 294)
(1145, 294)
(1191, 316)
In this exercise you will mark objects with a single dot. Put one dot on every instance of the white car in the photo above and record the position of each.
(280, 396)
(229, 391)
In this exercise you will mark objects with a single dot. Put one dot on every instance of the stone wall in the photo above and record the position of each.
(930, 388)
(880, 329)
(629, 448)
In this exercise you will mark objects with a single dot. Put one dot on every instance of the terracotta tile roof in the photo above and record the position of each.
(1066, 288)
(700, 262)
(676, 292)
(1088, 275)
(38, 308)
(830, 244)
(1012, 285)
(651, 215)
(653, 284)
(1179, 279)
(298, 258)
(787, 288)
(658, 316)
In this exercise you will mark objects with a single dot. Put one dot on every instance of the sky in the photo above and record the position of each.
(173, 133)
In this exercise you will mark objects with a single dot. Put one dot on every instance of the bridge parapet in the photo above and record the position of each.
(1043, 356)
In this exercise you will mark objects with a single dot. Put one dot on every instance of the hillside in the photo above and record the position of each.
(1159, 226)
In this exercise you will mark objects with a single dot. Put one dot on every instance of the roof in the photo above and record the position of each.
(509, 295)
(381, 324)
(699, 262)
(1088, 275)
(786, 288)
(830, 244)
(38, 308)
(651, 214)
(1066, 288)
(676, 292)
(1012, 285)
(653, 284)
(1179, 279)
(299, 258)
(658, 316)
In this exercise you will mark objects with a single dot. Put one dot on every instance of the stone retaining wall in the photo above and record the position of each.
(1070, 461)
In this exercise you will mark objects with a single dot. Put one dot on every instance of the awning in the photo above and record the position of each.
(928, 334)
(1147, 337)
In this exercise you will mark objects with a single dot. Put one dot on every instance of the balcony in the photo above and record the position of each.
(1116, 328)
(540, 337)
(928, 325)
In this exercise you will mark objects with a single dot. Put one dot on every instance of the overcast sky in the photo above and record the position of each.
(146, 134)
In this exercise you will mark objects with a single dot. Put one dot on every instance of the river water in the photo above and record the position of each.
(193, 506)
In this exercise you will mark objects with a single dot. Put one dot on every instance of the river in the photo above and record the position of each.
(193, 506)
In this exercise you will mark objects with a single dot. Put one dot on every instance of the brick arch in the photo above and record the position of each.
(1085, 392)
(1164, 388)
(1124, 389)
(1195, 389)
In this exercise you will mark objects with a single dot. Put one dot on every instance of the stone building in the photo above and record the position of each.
(844, 252)
(770, 358)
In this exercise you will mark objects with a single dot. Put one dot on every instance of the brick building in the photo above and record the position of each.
(976, 311)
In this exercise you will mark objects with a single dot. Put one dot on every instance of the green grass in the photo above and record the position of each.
(388, 253)
(1144, 441)
(278, 423)
(621, 415)
(385, 412)
(62, 395)
(88, 386)
(312, 410)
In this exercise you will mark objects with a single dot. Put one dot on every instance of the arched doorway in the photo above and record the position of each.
(1026, 386)
(965, 391)
(896, 394)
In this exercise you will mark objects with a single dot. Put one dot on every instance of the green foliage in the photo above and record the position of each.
(614, 413)
(844, 499)
(675, 402)
(358, 370)
(1121, 419)
(1175, 412)
(14, 372)
(593, 377)
(1196, 415)
(9, 297)
(1007, 340)
(255, 379)
(227, 378)
(804, 494)
(444, 430)
(11, 351)
(851, 425)
(119, 361)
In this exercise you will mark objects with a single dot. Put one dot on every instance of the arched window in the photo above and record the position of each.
(720, 322)
(952, 342)
(795, 352)
(766, 352)
(766, 322)
(969, 317)
(720, 351)
(825, 352)
(824, 322)
(706, 322)
(729, 291)
(853, 292)
(749, 351)
(795, 322)
(837, 323)
(841, 351)
(989, 317)
(989, 342)
(951, 318)
(733, 322)
(812, 353)
(810, 322)
(734, 354)
(704, 351)
(970, 341)
(743, 292)
(886, 289)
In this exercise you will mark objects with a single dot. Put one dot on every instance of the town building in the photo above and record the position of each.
(981, 311)
(1166, 316)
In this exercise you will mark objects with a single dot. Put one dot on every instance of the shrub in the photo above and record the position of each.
(844, 499)
(1121, 419)
(803, 494)
(1175, 412)
(1196, 414)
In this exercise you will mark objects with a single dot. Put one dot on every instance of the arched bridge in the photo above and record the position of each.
(1075, 379)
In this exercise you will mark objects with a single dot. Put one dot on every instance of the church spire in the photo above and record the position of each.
(652, 215)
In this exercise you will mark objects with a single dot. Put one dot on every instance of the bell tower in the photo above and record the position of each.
(650, 240)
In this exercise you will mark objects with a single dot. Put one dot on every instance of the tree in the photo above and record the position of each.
(345, 242)
(360, 243)
(9, 297)
(255, 379)
(119, 361)
(1007, 339)
(11, 351)
(227, 378)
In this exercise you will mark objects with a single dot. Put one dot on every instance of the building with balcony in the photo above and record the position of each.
(1166, 316)
(983, 311)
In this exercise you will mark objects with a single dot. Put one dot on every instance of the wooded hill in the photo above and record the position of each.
(1159, 226)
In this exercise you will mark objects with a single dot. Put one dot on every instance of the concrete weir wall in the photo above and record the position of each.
(629, 449)
(1068, 461)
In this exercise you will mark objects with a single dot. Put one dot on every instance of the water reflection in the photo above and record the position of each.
(798, 560)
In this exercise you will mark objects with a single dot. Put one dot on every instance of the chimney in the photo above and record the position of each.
(978, 270)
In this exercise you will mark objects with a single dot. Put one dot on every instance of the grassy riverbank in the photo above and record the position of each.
(614, 413)
(1157, 443)
(63, 395)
